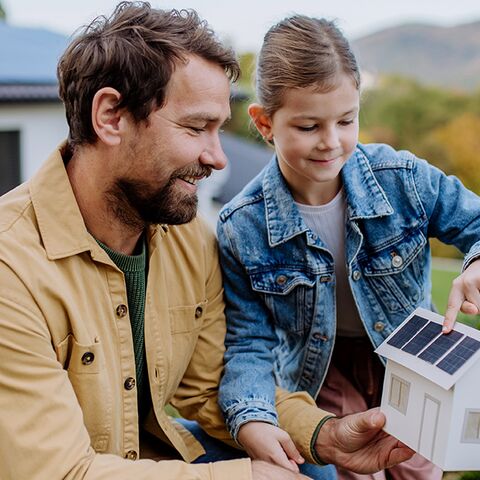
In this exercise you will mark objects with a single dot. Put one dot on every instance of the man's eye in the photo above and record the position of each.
(197, 129)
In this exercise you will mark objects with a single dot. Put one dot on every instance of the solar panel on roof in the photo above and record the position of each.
(459, 355)
(440, 346)
(407, 331)
(423, 338)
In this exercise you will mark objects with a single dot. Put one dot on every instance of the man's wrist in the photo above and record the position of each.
(313, 443)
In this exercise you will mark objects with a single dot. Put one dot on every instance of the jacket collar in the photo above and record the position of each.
(365, 198)
(60, 222)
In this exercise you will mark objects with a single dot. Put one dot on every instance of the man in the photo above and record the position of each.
(110, 290)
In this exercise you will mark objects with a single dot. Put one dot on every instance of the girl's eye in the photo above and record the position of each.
(306, 128)
(345, 122)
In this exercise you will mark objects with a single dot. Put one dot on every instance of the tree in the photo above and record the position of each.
(3, 15)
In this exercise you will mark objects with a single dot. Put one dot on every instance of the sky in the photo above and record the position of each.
(244, 22)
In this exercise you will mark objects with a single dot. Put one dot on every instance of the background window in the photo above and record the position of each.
(9, 160)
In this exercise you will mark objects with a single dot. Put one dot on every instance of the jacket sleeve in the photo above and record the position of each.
(452, 210)
(249, 345)
(42, 434)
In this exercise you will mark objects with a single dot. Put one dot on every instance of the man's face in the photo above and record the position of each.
(165, 157)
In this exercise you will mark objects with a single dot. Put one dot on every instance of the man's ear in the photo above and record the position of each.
(107, 119)
(262, 121)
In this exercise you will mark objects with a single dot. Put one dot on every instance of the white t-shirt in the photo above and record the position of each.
(328, 222)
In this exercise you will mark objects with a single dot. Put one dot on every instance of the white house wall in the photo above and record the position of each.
(462, 455)
(42, 127)
(407, 427)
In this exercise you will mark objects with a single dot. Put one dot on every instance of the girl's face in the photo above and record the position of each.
(314, 134)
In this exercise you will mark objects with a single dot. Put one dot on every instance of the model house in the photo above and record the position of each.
(431, 392)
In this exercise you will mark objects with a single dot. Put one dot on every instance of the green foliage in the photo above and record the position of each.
(3, 15)
(470, 476)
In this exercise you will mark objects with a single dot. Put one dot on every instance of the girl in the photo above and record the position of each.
(326, 251)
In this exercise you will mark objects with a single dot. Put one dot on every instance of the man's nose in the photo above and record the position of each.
(213, 155)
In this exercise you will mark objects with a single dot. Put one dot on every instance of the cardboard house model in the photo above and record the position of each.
(431, 392)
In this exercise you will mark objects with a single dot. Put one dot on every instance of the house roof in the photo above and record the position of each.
(29, 55)
(419, 345)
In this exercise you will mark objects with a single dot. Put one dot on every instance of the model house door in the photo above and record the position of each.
(428, 427)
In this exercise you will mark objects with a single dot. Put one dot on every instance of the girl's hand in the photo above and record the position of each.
(263, 441)
(464, 296)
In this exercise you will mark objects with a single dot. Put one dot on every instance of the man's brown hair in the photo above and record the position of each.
(134, 51)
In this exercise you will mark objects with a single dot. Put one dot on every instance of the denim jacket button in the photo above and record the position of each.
(397, 261)
(379, 326)
(356, 275)
(282, 279)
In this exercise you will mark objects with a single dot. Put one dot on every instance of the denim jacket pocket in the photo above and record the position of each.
(289, 295)
(396, 273)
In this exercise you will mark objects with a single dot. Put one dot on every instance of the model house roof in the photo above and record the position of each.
(419, 344)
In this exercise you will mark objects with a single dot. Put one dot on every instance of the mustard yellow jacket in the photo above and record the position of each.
(68, 404)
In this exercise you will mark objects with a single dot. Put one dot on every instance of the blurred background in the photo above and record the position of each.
(420, 63)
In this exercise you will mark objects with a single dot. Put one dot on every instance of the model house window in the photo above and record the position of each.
(399, 391)
(9, 160)
(471, 426)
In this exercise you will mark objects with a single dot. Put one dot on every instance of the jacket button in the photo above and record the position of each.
(131, 455)
(397, 261)
(198, 312)
(356, 275)
(87, 358)
(121, 310)
(379, 326)
(281, 279)
(129, 383)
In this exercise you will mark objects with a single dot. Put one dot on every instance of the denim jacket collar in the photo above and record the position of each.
(365, 198)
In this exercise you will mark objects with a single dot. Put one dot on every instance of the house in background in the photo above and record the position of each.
(32, 118)
(431, 392)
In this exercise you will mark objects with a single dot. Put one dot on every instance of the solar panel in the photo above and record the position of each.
(407, 331)
(440, 346)
(459, 355)
(423, 338)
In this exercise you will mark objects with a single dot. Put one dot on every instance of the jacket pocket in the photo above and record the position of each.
(289, 295)
(396, 274)
(85, 365)
(185, 324)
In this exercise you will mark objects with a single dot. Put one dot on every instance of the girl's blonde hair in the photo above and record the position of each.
(301, 51)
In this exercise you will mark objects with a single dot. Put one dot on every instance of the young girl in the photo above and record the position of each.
(326, 251)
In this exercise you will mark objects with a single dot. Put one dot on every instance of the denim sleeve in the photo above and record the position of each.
(247, 389)
(452, 210)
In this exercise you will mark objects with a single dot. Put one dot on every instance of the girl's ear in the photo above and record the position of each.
(262, 121)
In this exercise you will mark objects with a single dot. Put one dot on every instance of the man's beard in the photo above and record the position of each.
(136, 204)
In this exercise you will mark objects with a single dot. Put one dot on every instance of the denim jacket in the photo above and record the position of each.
(279, 276)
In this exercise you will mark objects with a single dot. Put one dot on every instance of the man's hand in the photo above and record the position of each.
(464, 295)
(266, 471)
(356, 442)
(263, 441)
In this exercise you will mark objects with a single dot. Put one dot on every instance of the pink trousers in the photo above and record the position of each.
(354, 384)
